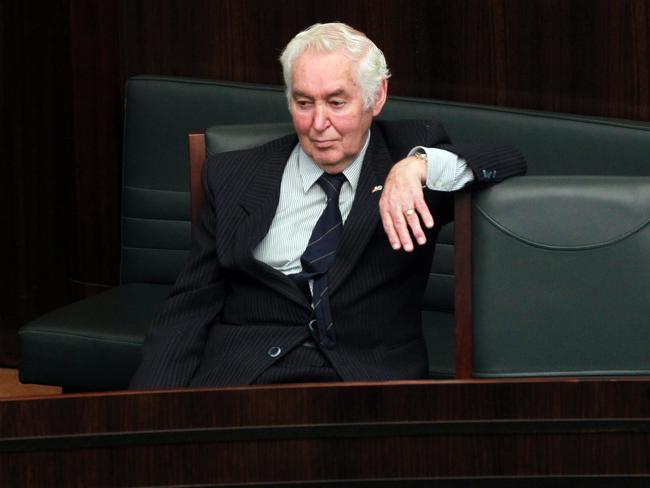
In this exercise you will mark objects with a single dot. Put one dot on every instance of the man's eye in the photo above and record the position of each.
(303, 103)
(337, 103)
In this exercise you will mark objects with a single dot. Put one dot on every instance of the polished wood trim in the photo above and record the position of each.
(351, 430)
(11, 387)
(579, 427)
(196, 145)
(344, 402)
(463, 284)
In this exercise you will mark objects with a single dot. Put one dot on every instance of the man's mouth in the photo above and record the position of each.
(323, 143)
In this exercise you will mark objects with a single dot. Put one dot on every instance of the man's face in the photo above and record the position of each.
(327, 108)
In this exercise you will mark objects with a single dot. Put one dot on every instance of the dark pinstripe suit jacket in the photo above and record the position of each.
(227, 310)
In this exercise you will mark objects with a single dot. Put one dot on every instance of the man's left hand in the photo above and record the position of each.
(402, 206)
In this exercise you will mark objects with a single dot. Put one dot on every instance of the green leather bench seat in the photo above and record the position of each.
(156, 231)
(161, 111)
(93, 341)
(554, 144)
(580, 145)
(561, 270)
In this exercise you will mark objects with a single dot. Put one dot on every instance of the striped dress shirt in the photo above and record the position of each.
(302, 201)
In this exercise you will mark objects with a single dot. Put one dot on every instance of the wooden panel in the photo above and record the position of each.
(579, 56)
(97, 109)
(196, 144)
(35, 159)
(464, 352)
(363, 431)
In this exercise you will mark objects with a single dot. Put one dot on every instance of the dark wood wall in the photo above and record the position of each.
(63, 64)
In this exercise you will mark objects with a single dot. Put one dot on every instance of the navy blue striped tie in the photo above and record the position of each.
(319, 257)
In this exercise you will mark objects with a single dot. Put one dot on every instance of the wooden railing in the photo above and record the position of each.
(478, 430)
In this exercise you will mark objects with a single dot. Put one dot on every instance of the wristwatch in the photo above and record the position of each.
(420, 154)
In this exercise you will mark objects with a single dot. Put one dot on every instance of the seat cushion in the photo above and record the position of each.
(561, 270)
(93, 344)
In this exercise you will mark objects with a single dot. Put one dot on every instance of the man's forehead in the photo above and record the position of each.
(323, 75)
(334, 92)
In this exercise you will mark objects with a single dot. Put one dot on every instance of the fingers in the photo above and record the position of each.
(396, 227)
(403, 209)
(389, 228)
(403, 228)
(423, 210)
(414, 219)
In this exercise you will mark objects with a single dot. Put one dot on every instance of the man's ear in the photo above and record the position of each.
(380, 98)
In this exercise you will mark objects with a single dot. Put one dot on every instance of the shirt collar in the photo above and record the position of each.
(310, 171)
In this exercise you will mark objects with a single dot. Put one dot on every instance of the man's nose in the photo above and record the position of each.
(321, 118)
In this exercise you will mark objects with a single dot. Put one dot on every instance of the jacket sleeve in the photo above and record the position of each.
(490, 163)
(174, 345)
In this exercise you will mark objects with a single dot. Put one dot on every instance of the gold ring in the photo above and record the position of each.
(409, 212)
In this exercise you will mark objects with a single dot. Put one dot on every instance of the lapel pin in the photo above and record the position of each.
(377, 188)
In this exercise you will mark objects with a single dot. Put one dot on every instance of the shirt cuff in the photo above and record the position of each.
(445, 170)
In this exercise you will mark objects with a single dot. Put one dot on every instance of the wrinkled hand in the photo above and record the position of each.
(402, 206)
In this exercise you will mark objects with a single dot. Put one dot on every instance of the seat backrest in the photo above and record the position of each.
(554, 144)
(222, 138)
(561, 275)
(160, 112)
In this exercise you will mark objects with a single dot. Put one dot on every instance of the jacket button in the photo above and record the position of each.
(275, 351)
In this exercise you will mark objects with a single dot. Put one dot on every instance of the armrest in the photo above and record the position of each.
(559, 272)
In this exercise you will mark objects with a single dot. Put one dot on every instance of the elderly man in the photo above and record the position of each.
(314, 250)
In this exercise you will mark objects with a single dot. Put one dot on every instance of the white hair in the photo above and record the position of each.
(331, 37)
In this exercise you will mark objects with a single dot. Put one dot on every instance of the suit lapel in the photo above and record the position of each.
(260, 200)
(259, 203)
(364, 216)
